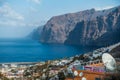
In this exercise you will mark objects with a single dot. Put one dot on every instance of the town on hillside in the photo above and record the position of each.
(99, 64)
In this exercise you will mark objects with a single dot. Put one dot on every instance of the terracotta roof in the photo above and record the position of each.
(90, 75)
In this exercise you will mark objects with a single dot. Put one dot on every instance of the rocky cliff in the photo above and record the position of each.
(89, 27)
(36, 33)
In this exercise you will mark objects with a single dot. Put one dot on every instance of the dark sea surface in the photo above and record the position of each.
(27, 50)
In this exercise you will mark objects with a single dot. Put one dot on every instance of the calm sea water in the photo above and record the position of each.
(27, 50)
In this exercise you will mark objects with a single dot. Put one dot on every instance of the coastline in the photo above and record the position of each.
(19, 62)
(54, 67)
(35, 62)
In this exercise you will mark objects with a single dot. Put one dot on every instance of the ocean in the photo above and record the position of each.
(28, 50)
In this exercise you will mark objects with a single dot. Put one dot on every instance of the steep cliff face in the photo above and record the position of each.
(103, 31)
(113, 30)
(36, 33)
(58, 28)
(86, 32)
(83, 28)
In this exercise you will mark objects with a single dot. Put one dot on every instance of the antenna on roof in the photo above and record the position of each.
(109, 62)
(83, 78)
(75, 73)
(81, 74)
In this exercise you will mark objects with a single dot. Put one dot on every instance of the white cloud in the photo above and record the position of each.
(7, 12)
(9, 17)
(103, 8)
(35, 1)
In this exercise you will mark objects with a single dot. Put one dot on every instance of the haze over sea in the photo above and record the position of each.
(28, 50)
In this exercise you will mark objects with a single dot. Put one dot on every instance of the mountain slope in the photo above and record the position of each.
(36, 33)
(87, 27)
(116, 52)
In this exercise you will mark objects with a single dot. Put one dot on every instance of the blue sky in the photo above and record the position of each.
(29, 14)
